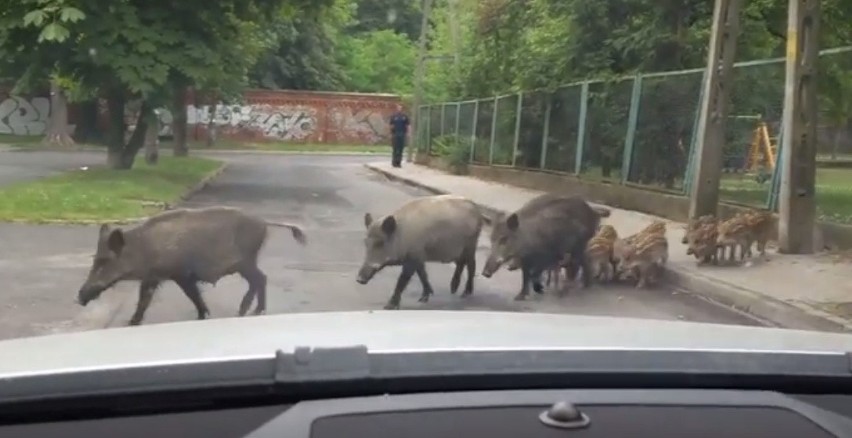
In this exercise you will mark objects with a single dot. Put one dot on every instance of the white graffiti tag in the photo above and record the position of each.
(280, 122)
(368, 125)
(21, 117)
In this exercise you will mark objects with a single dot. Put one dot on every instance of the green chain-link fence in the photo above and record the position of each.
(640, 131)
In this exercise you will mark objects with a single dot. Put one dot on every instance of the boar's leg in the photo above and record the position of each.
(456, 280)
(578, 254)
(424, 280)
(408, 269)
(468, 259)
(256, 280)
(146, 292)
(527, 277)
(189, 286)
(471, 271)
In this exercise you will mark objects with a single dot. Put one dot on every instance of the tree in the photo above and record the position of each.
(44, 25)
(300, 50)
(146, 50)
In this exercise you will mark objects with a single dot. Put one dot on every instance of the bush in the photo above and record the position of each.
(455, 150)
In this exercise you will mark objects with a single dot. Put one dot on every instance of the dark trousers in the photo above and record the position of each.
(398, 144)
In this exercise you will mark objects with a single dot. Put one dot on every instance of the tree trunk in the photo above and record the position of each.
(211, 126)
(116, 129)
(838, 138)
(57, 125)
(152, 140)
(87, 130)
(179, 122)
(120, 155)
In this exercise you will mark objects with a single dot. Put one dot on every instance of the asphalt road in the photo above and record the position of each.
(43, 266)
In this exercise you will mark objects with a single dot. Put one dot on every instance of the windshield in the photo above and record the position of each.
(236, 159)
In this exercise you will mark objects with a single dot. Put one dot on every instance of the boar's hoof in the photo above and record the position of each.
(424, 298)
(538, 288)
(467, 293)
(259, 311)
(133, 322)
(520, 297)
(391, 306)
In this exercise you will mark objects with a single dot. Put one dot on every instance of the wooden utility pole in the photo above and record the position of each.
(718, 82)
(418, 78)
(797, 205)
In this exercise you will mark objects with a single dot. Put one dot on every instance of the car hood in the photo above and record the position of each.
(389, 331)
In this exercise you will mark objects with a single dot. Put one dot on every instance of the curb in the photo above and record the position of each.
(125, 221)
(265, 152)
(765, 309)
(203, 183)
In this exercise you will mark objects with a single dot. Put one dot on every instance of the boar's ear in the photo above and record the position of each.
(512, 222)
(368, 219)
(115, 241)
(103, 230)
(389, 225)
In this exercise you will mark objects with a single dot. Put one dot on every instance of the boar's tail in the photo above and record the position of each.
(298, 234)
(602, 212)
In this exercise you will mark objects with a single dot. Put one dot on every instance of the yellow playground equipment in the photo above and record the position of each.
(762, 154)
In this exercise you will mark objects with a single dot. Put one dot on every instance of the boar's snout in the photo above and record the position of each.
(86, 294)
(366, 273)
(491, 266)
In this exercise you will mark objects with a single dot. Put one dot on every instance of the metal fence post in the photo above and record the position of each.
(493, 131)
(429, 131)
(690, 164)
(458, 118)
(518, 111)
(473, 131)
(775, 184)
(632, 119)
(443, 118)
(581, 128)
(544, 138)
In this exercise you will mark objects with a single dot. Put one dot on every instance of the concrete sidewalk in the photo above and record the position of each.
(803, 292)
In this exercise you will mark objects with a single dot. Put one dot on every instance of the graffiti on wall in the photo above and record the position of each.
(21, 116)
(284, 122)
(365, 124)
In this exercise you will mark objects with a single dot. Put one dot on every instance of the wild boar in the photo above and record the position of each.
(746, 228)
(442, 228)
(186, 246)
(540, 233)
(599, 253)
(701, 238)
(656, 227)
(645, 258)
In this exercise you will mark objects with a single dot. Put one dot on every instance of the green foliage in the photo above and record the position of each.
(379, 62)
(455, 150)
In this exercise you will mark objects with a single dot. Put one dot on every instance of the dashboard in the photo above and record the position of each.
(693, 413)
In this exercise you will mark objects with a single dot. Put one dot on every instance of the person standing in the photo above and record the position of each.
(399, 130)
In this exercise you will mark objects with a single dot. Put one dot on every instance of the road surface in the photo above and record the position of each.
(43, 266)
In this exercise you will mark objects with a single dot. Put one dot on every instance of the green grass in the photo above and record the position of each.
(101, 194)
(226, 144)
(20, 140)
(34, 141)
(833, 193)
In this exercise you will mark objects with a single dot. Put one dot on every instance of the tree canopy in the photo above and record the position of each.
(148, 53)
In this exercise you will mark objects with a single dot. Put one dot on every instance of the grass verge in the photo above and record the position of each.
(230, 145)
(101, 194)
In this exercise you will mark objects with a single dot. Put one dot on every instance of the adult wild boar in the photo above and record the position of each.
(442, 228)
(186, 246)
(540, 234)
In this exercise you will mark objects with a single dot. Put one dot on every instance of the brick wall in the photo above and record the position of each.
(265, 115)
(300, 117)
